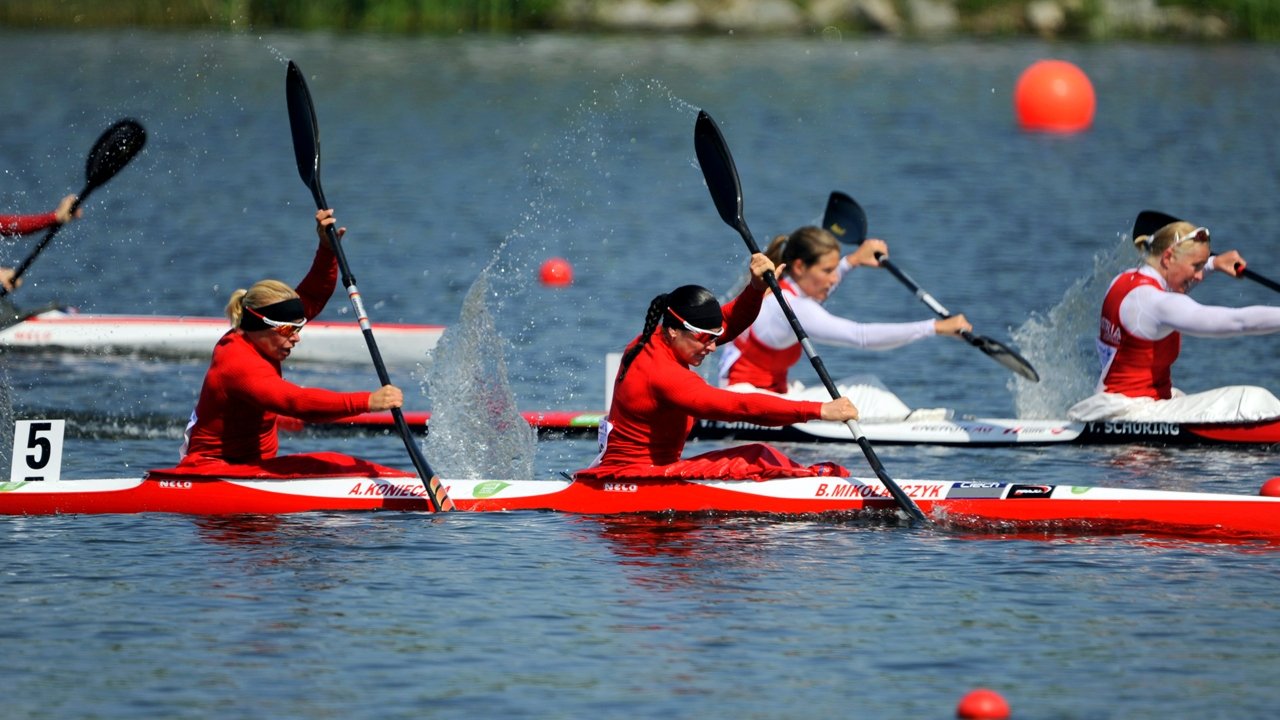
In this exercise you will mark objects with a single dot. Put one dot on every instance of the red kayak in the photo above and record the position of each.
(988, 506)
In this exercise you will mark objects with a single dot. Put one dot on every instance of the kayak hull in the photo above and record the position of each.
(987, 506)
(967, 432)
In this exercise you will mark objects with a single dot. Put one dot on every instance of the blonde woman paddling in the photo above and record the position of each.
(1145, 313)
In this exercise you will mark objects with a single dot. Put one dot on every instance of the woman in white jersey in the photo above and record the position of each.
(761, 357)
(1144, 314)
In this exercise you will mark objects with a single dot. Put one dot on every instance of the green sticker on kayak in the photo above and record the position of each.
(1078, 490)
(489, 488)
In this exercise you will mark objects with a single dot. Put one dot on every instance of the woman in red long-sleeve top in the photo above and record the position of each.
(234, 421)
(657, 397)
(14, 225)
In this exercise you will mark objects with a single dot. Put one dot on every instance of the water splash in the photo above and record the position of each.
(1060, 343)
(476, 429)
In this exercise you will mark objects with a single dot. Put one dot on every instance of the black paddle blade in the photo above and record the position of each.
(845, 219)
(1149, 221)
(719, 171)
(114, 149)
(1004, 355)
(306, 131)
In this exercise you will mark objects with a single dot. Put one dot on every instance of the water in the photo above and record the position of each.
(460, 160)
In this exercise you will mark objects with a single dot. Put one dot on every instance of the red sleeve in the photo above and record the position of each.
(26, 224)
(740, 313)
(259, 385)
(691, 394)
(316, 288)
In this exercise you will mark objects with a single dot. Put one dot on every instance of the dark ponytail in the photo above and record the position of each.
(657, 308)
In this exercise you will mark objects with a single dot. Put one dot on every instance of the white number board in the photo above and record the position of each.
(37, 450)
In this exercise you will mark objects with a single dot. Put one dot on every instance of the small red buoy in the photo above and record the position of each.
(982, 704)
(1054, 96)
(556, 272)
(1271, 488)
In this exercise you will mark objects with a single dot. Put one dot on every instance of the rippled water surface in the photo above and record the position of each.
(460, 159)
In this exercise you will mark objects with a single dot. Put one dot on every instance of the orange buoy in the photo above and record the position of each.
(1054, 96)
(556, 272)
(982, 704)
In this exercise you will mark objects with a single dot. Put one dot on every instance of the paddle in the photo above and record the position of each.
(114, 149)
(306, 146)
(1149, 221)
(726, 190)
(846, 220)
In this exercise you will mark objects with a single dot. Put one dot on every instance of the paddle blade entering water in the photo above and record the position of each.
(114, 149)
(845, 219)
(1004, 355)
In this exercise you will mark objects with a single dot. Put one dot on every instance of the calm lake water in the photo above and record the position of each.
(459, 165)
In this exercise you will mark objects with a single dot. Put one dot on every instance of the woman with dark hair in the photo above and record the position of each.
(657, 397)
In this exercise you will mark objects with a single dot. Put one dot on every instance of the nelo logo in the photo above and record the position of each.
(620, 487)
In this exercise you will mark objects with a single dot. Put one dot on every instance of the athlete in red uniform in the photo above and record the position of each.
(657, 397)
(234, 421)
(14, 225)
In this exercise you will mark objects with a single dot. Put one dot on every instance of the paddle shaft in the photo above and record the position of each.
(435, 490)
(904, 501)
(48, 237)
(924, 297)
(721, 176)
(1264, 281)
(306, 147)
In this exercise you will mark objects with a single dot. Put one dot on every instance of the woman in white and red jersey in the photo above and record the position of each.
(234, 421)
(1144, 314)
(762, 356)
(657, 397)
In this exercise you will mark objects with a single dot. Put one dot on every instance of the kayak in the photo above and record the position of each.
(987, 506)
(1001, 431)
(162, 336)
(985, 432)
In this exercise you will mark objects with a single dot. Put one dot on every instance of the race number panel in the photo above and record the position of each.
(37, 450)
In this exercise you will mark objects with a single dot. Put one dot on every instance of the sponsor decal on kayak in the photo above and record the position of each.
(974, 489)
(1030, 491)
(852, 490)
(489, 488)
(175, 484)
(1135, 428)
(7, 486)
(1079, 490)
(376, 489)
(620, 487)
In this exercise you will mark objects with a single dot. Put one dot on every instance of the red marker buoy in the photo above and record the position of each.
(1054, 96)
(556, 272)
(1271, 488)
(982, 704)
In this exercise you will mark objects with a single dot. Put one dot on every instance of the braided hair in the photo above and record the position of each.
(692, 302)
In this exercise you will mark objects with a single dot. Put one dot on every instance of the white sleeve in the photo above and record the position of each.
(1152, 313)
(772, 328)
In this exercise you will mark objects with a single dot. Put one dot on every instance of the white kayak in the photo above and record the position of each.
(167, 336)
